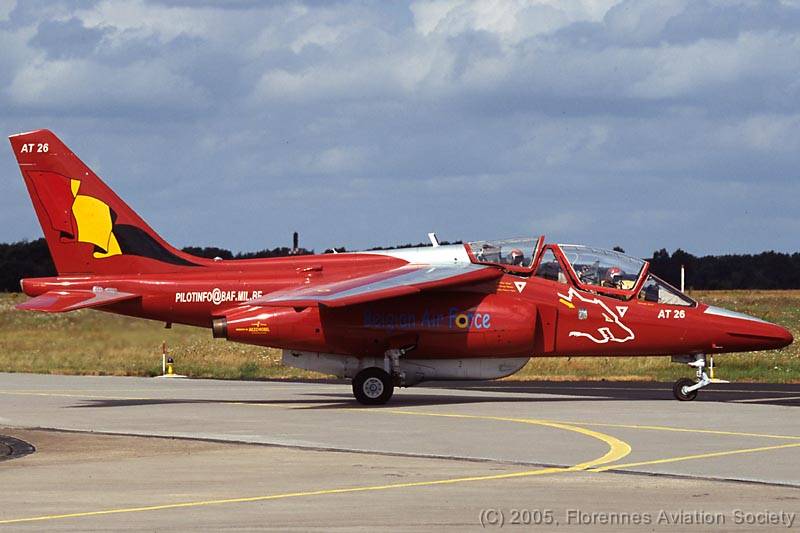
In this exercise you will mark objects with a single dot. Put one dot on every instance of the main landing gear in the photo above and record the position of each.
(685, 389)
(374, 385)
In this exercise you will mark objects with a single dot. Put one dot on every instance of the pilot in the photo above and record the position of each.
(516, 257)
(612, 277)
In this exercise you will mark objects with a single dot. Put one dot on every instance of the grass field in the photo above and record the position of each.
(91, 342)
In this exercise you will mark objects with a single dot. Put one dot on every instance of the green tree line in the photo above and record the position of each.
(766, 270)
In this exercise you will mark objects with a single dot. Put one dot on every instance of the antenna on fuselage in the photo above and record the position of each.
(434, 239)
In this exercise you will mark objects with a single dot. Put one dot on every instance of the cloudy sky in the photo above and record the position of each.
(641, 124)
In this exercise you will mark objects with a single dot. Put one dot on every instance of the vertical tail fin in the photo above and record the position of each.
(88, 228)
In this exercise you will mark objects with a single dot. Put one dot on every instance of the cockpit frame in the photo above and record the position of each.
(625, 294)
(610, 272)
(525, 270)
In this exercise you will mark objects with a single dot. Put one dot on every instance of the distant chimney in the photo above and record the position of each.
(295, 241)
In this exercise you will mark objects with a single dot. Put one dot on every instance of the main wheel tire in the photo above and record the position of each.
(373, 386)
(677, 390)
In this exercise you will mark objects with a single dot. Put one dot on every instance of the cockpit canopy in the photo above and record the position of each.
(590, 269)
(518, 253)
(603, 268)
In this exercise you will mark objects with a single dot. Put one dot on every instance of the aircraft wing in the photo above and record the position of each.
(408, 279)
(69, 300)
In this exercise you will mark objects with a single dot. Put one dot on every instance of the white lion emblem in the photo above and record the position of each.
(615, 331)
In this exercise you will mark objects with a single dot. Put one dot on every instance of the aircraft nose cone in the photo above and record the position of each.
(759, 336)
(783, 336)
(774, 336)
(748, 333)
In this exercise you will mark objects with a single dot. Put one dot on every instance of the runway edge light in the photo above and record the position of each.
(167, 364)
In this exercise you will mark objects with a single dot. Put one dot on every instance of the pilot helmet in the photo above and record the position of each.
(516, 256)
(612, 273)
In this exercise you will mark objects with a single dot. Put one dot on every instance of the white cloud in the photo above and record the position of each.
(319, 34)
(512, 21)
(6, 7)
(768, 133)
(642, 21)
(562, 114)
(137, 19)
(683, 70)
(80, 83)
(337, 160)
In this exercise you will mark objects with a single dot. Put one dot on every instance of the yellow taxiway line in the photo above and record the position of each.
(692, 457)
(686, 430)
(286, 495)
(70, 395)
(617, 450)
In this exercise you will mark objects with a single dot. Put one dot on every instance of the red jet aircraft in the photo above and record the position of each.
(382, 318)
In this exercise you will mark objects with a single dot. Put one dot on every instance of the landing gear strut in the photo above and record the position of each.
(375, 385)
(685, 389)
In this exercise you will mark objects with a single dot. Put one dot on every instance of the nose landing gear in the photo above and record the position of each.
(681, 392)
(685, 389)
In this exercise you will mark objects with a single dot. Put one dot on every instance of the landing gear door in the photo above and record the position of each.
(545, 336)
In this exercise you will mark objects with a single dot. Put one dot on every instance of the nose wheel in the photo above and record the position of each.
(685, 389)
(680, 390)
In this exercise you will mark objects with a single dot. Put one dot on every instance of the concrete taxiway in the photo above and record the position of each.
(136, 453)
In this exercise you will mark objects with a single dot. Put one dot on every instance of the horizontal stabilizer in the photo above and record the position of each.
(405, 280)
(70, 300)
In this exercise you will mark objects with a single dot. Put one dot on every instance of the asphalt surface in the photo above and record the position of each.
(149, 454)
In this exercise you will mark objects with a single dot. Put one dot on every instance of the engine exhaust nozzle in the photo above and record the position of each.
(219, 328)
